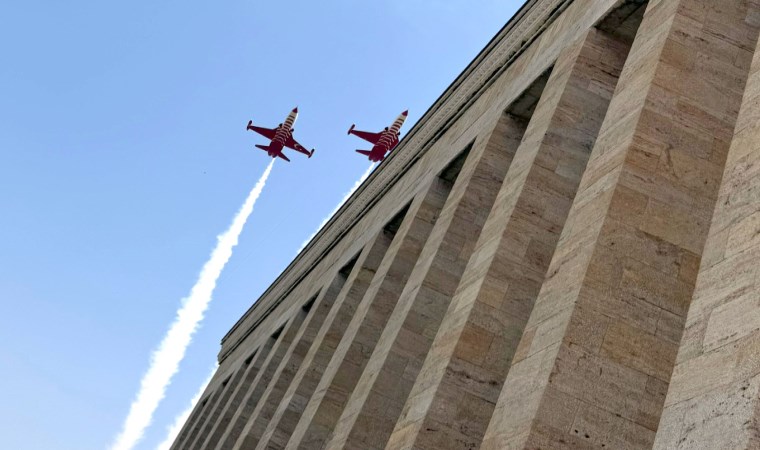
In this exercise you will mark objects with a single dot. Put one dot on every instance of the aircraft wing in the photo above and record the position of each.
(367, 136)
(266, 132)
(292, 143)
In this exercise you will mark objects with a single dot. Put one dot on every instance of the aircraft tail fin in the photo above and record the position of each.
(372, 157)
(269, 151)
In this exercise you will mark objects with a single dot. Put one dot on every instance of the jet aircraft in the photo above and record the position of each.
(281, 137)
(382, 142)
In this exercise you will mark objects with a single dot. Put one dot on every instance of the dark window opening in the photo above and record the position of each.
(623, 22)
(452, 170)
(346, 269)
(250, 358)
(307, 306)
(277, 332)
(525, 105)
(393, 225)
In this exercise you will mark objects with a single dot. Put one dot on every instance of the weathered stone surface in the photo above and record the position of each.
(713, 397)
(358, 281)
(227, 389)
(390, 278)
(607, 365)
(586, 281)
(417, 315)
(350, 359)
(250, 369)
(459, 385)
(262, 380)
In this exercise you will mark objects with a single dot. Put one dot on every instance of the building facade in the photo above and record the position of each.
(562, 253)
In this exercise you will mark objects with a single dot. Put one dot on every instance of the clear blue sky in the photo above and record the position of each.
(123, 154)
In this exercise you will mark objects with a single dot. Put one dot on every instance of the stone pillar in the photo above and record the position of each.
(262, 380)
(315, 314)
(392, 273)
(376, 402)
(454, 396)
(593, 364)
(251, 368)
(358, 280)
(713, 400)
(227, 388)
(331, 396)
(192, 426)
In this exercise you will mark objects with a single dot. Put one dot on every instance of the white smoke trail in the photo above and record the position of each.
(164, 361)
(345, 197)
(173, 431)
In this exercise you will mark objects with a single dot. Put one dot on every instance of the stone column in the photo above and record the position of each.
(713, 400)
(227, 388)
(593, 364)
(315, 314)
(262, 380)
(358, 280)
(454, 396)
(251, 369)
(331, 396)
(376, 402)
(392, 272)
(190, 430)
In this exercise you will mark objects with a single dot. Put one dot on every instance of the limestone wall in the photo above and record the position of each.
(561, 253)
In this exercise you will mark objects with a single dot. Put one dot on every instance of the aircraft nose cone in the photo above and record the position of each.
(405, 113)
(295, 110)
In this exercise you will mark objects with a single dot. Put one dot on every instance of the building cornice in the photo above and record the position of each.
(516, 36)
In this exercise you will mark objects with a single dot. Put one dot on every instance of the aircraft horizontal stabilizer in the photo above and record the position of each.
(364, 152)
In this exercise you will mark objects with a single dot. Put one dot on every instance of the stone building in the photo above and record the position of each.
(562, 253)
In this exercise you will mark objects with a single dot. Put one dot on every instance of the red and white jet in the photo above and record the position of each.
(282, 136)
(382, 142)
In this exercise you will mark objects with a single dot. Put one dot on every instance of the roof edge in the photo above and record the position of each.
(524, 27)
